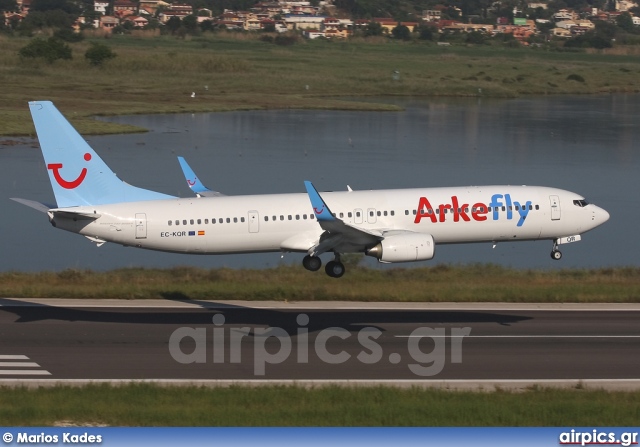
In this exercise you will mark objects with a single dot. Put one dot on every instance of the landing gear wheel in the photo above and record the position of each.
(334, 269)
(312, 263)
(556, 255)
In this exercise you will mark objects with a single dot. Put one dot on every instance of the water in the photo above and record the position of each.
(583, 144)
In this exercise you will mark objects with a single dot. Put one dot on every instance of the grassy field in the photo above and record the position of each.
(148, 405)
(230, 71)
(442, 283)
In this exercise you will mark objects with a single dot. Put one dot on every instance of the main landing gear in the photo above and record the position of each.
(334, 269)
(556, 254)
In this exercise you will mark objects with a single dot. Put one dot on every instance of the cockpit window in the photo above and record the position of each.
(580, 203)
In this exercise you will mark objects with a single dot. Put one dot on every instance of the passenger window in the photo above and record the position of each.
(350, 214)
(304, 216)
(206, 221)
(385, 213)
(242, 219)
(184, 222)
(177, 222)
(358, 214)
(311, 216)
(228, 220)
(170, 223)
(393, 213)
(504, 208)
(537, 207)
(281, 217)
(415, 212)
(266, 218)
(341, 215)
(289, 217)
(235, 220)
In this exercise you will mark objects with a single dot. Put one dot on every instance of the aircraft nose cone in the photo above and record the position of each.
(601, 216)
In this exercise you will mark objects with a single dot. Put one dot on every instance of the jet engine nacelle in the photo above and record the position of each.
(404, 248)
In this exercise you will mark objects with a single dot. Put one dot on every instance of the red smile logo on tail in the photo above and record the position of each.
(55, 168)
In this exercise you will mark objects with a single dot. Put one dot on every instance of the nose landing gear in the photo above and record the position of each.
(556, 254)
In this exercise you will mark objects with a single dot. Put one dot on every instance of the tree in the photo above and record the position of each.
(68, 35)
(47, 19)
(52, 5)
(206, 25)
(50, 49)
(373, 29)
(173, 24)
(476, 37)
(190, 23)
(98, 54)
(8, 5)
(625, 22)
(401, 32)
(427, 32)
(269, 27)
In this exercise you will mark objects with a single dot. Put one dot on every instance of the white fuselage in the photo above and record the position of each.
(286, 222)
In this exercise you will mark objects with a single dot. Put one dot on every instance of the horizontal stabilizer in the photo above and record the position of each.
(68, 213)
(42, 207)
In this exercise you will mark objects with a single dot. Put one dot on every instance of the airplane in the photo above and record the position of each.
(401, 225)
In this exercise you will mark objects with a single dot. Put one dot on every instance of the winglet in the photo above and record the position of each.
(194, 182)
(320, 208)
(192, 179)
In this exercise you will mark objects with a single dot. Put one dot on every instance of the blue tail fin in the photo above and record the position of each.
(78, 175)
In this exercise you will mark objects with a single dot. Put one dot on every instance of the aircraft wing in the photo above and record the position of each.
(194, 182)
(337, 233)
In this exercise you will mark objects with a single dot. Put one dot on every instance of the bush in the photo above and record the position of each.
(98, 53)
(575, 77)
(286, 39)
(68, 35)
(50, 49)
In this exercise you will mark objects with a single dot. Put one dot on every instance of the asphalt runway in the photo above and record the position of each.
(207, 341)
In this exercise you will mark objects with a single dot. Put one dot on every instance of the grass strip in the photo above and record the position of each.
(151, 405)
(231, 71)
(441, 283)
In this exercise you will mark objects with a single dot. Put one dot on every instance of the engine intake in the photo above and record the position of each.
(404, 248)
